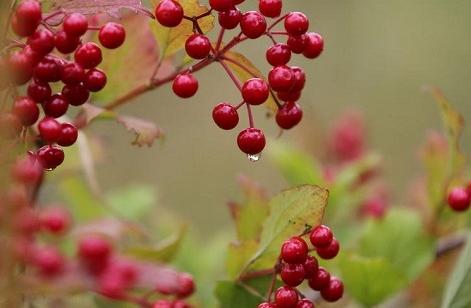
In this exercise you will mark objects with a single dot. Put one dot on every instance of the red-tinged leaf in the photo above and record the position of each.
(93, 7)
(146, 132)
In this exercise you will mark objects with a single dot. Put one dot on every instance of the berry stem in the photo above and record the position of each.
(277, 33)
(220, 38)
(276, 22)
(242, 66)
(240, 105)
(249, 113)
(231, 75)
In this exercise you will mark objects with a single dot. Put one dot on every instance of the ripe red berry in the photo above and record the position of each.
(26, 110)
(55, 220)
(76, 95)
(49, 130)
(185, 85)
(94, 252)
(289, 115)
(286, 297)
(68, 136)
(278, 54)
(292, 274)
(72, 73)
(330, 251)
(320, 280)
(270, 8)
(311, 266)
(198, 46)
(299, 79)
(27, 170)
(296, 23)
(112, 35)
(39, 91)
(281, 78)
(48, 69)
(267, 305)
(169, 13)
(289, 96)
(225, 116)
(95, 80)
(34, 56)
(255, 91)
(251, 141)
(459, 199)
(22, 29)
(42, 41)
(294, 250)
(27, 17)
(221, 5)
(230, 19)
(88, 55)
(305, 303)
(321, 236)
(112, 285)
(50, 157)
(75, 25)
(333, 291)
(20, 67)
(55, 106)
(253, 24)
(65, 43)
(297, 43)
(49, 261)
(163, 304)
(186, 285)
(314, 45)
(180, 304)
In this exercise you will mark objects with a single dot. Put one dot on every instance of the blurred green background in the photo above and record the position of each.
(378, 56)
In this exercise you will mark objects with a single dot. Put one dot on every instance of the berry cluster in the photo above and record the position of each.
(285, 83)
(459, 198)
(43, 60)
(297, 265)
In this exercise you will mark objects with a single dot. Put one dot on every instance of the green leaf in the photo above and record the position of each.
(235, 295)
(457, 293)
(238, 254)
(370, 280)
(134, 202)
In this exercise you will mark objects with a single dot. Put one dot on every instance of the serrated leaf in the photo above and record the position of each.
(234, 295)
(146, 132)
(93, 7)
(457, 293)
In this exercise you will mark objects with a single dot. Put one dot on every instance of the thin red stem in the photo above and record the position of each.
(220, 38)
(249, 113)
(277, 33)
(276, 22)
(231, 75)
(242, 66)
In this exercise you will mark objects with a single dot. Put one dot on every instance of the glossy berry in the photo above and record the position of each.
(186, 285)
(314, 45)
(251, 141)
(230, 19)
(320, 280)
(305, 303)
(289, 96)
(26, 110)
(75, 25)
(48, 261)
(48, 69)
(72, 73)
(34, 56)
(253, 24)
(22, 29)
(88, 55)
(292, 274)
(294, 251)
(225, 116)
(49, 130)
(278, 54)
(95, 80)
(330, 251)
(321, 236)
(296, 23)
(68, 136)
(50, 157)
(255, 91)
(281, 78)
(311, 266)
(286, 297)
(266, 305)
(221, 5)
(299, 79)
(55, 220)
(27, 17)
(112, 35)
(185, 85)
(333, 291)
(55, 106)
(289, 115)
(169, 13)
(270, 8)
(297, 43)
(20, 67)
(42, 41)
(76, 95)
(459, 199)
(65, 43)
(198, 46)
(39, 91)
(94, 252)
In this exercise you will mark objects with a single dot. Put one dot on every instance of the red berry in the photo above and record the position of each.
(48, 69)
(20, 67)
(22, 29)
(198, 46)
(289, 96)
(296, 23)
(267, 305)
(68, 136)
(329, 252)
(94, 252)
(289, 115)
(112, 35)
(27, 17)
(65, 43)
(314, 45)
(297, 43)
(281, 78)
(50, 157)
(88, 55)
(292, 274)
(112, 285)
(185, 85)
(75, 25)
(72, 73)
(286, 297)
(236, 2)
(169, 13)
(27, 170)
(320, 280)
(49, 261)
(180, 304)
(255, 91)
(55, 220)
(95, 80)
(55, 106)
(39, 91)
(278, 54)
(253, 24)
(230, 19)
(321, 236)
(186, 285)
(305, 303)
(251, 141)
(76, 95)
(49, 130)
(34, 56)
(42, 41)
(163, 304)
(270, 8)
(221, 5)
(333, 291)
(26, 110)
(294, 250)
(459, 199)
(311, 266)
(225, 116)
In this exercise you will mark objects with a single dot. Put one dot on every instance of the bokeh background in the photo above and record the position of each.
(378, 56)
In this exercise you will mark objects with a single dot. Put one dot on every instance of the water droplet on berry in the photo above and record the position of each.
(254, 157)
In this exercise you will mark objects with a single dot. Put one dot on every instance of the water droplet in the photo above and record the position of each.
(49, 169)
(254, 157)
